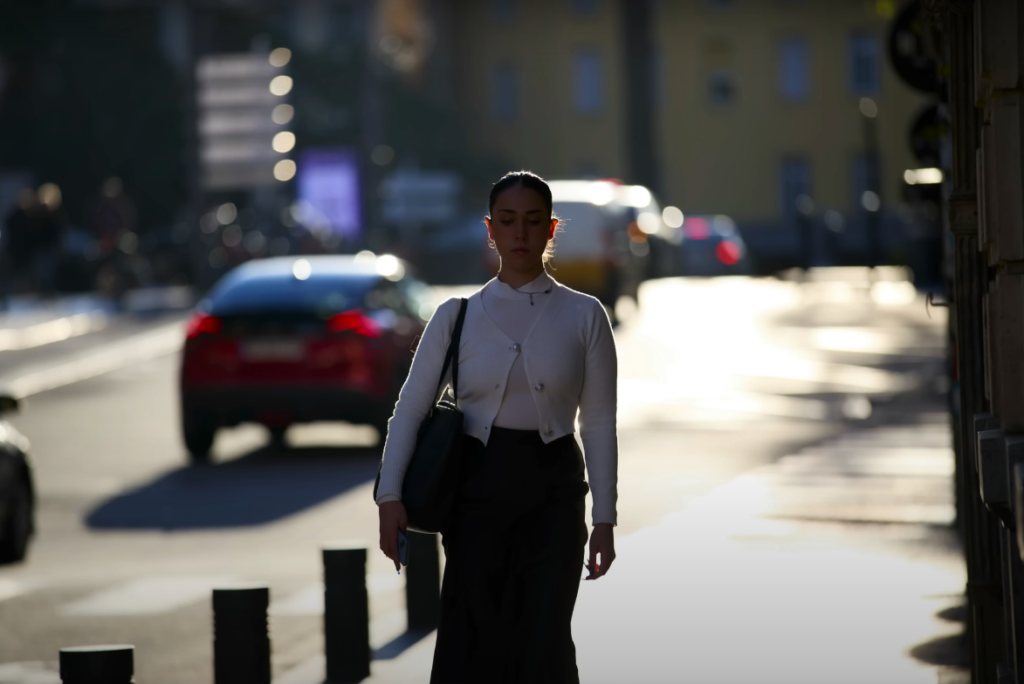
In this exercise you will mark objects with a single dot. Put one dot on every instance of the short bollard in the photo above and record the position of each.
(113, 664)
(241, 642)
(346, 613)
(423, 583)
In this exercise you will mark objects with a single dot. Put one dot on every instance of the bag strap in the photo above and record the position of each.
(453, 353)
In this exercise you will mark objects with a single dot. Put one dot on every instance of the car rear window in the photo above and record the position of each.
(583, 225)
(322, 295)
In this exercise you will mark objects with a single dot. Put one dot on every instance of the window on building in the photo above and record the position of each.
(794, 69)
(503, 11)
(721, 87)
(864, 64)
(719, 60)
(505, 93)
(586, 6)
(588, 81)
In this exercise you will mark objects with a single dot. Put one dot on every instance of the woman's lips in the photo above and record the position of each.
(520, 250)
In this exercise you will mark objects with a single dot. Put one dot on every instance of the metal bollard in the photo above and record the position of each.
(113, 664)
(423, 583)
(241, 641)
(346, 613)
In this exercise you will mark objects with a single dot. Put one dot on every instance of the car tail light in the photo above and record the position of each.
(354, 321)
(728, 253)
(203, 324)
(697, 228)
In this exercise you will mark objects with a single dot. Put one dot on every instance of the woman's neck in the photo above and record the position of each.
(517, 279)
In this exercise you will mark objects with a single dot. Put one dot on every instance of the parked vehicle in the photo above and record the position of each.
(457, 254)
(713, 247)
(17, 490)
(593, 250)
(299, 339)
(650, 235)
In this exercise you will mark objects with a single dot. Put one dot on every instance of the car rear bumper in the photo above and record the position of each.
(281, 405)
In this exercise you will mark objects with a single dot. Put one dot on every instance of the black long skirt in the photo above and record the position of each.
(513, 563)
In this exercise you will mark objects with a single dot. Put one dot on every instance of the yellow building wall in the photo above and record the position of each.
(550, 136)
(728, 159)
(712, 159)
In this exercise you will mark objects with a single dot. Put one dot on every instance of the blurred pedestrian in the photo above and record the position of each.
(47, 226)
(533, 353)
(16, 245)
(113, 225)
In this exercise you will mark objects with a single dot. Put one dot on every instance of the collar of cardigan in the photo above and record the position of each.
(542, 284)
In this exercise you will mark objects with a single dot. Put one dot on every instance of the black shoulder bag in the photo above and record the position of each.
(431, 481)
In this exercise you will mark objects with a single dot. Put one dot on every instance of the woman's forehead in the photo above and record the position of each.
(518, 197)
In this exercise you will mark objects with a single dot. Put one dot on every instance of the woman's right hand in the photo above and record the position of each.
(392, 519)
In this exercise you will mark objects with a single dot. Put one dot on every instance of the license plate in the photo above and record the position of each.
(274, 350)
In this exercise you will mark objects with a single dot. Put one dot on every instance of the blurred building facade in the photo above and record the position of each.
(754, 103)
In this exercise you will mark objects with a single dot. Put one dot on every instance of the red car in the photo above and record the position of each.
(299, 339)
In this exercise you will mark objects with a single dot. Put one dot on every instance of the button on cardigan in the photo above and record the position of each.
(569, 356)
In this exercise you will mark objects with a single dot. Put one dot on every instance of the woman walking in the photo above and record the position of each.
(532, 354)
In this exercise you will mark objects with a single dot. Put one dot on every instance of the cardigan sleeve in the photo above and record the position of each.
(415, 400)
(598, 401)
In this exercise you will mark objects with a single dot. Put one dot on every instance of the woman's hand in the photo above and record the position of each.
(392, 519)
(602, 542)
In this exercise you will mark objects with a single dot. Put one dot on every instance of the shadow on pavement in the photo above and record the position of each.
(399, 645)
(951, 651)
(258, 488)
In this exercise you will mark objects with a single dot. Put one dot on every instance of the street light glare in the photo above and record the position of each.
(281, 85)
(280, 57)
(638, 196)
(871, 201)
(928, 176)
(282, 114)
(284, 170)
(673, 217)
(284, 142)
(302, 269)
(868, 107)
(226, 213)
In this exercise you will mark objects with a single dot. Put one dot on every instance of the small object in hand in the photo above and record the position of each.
(590, 569)
(403, 548)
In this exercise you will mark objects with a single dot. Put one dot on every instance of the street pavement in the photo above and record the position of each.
(785, 501)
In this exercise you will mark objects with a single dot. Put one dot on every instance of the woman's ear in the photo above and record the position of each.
(551, 230)
(487, 220)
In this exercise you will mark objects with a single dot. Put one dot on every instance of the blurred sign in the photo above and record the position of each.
(412, 196)
(908, 51)
(328, 184)
(243, 117)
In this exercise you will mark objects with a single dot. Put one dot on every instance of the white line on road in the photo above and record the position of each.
(143, 347)
(14, 339)
(146, 596)
(10, 588)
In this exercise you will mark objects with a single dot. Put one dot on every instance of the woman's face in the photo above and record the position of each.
(520, 226)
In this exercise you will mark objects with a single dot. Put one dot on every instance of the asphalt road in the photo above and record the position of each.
(717, 379)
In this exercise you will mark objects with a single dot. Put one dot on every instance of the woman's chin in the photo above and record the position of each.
(521, 261)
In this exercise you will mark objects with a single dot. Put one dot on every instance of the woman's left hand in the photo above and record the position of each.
(602, 542)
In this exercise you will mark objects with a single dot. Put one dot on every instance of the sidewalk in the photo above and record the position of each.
(835, 564)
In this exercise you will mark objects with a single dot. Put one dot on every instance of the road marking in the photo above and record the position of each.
(10, 588)
(146, 596)
(14, 339)
(29, 672)
(143, 347)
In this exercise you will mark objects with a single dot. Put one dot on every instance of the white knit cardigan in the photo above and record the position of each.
(570, 364)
